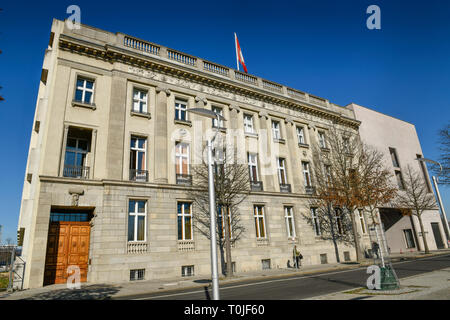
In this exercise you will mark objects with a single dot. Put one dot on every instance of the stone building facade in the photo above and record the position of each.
(110, 151)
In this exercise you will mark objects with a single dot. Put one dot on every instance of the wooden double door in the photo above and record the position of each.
(67, 245)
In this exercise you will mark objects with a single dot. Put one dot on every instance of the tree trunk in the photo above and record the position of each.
(355, 236)
(425, 244)
(333, 234)
(229, 272)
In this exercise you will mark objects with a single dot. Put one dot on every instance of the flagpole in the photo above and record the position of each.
(235, 45)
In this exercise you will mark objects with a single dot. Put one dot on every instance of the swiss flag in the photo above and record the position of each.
(239, 56)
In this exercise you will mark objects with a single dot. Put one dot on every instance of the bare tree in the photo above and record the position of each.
(349, 175)
(231, 187)
(415, 199)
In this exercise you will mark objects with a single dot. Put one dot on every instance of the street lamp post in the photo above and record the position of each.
(212, 201)
(438, 196)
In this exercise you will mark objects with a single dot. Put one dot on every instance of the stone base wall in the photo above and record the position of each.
(162, 255)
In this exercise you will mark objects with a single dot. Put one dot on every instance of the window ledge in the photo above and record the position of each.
(84, 105)
(303, 145)
(279, 140)
(183, 122)
(325, 149)
(251, 134)
(141, 114)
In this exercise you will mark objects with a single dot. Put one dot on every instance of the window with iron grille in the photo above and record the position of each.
(265, 263)
(137, 274)
(187, 271)
(323, 258)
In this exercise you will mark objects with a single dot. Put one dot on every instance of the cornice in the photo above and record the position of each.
(112, 53)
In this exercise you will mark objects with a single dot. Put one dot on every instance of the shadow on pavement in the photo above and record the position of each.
(94, 292)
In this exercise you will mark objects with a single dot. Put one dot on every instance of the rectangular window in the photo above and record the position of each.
(301, 135)
(260, 225)
(137, 222)
(217, 123)
(323, 258)
(328, 175)
(84, 91)
(265, 264)
(276, 130)
(187, 271)
(322, 140)
(138, 159)
(290, 225)
(315, 221)
(182, 158)
(180, 110)
(253, 166)
(424, 173)
(399, 177)
(306, 174)
(139, 101)
(281, 167)
(409, 238)
(248, 124)
(137, 274)
(221, 220)
(184, 210)
(394, 158)
(76, 153)
(362, 221)
(346, 144)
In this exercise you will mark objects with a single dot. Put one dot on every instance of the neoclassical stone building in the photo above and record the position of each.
(108, 177)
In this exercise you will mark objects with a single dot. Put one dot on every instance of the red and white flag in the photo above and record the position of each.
(239, 56)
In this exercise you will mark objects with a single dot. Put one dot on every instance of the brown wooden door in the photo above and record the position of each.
(68, 244)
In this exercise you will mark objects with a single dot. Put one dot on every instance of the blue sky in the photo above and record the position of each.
(321, 47)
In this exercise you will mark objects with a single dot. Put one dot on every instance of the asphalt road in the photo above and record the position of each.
(301, 287)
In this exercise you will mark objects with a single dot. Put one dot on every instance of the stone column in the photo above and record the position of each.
(93, 147)
(63, 150)
(116, 129)
(266, 158)
(161, 136)
(292, 144)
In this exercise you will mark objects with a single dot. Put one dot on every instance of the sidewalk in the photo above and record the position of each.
(116, 291)
(429, 286)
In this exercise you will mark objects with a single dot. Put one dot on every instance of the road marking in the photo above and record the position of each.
(280, 280)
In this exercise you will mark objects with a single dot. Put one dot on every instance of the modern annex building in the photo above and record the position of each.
(401, 147)
(108, 176)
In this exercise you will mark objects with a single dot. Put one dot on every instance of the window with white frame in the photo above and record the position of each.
(301, 135)
(306, 174)
(315, 221)
(138, 154)
(140, 100)
(290, 225)
(217, 123)
(182, 158)
(137, 220)
(281, 167)
(260, 226)
(221, 219)
(84, 91)
(180, 110)
(276, 129)
(184, 212)
(253, 166)
(322, 139)
(248, 123)
(362, 221)
(327, 173)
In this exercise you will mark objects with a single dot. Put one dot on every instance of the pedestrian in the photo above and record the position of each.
(375, 248)
(297, 257)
